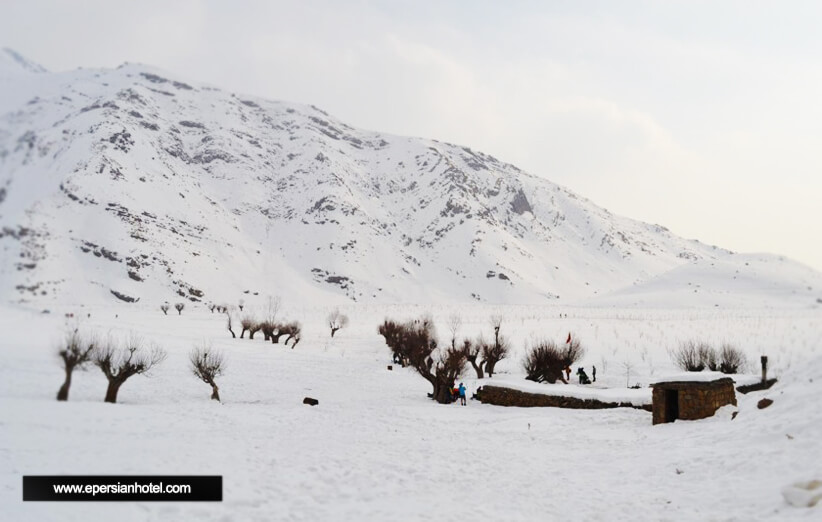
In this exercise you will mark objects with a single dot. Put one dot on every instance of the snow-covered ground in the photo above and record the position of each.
(377, 449)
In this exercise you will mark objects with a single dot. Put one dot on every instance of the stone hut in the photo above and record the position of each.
(692, 396)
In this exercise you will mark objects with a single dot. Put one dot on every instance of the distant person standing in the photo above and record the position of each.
(462, 394)
(594, 373)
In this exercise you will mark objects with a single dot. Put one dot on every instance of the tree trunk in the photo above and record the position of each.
(215, 392)
(489, 367)
(232, 333)
(477, 367)
(251, 334)
(63, 394)
(242, 333)
(113, 388)
(443, 394)
(165, 312)
(266, 336)
(333, 331)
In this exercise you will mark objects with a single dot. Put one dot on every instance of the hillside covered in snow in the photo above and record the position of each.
(134, 184)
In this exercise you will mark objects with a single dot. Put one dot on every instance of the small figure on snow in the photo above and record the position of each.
(583, 377)
(594, 374)
(462, 394)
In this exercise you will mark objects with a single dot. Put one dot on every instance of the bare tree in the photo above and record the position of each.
(629, 367)
(254, 328)
(229, 325)
(573, 351)
(273, 309)
(708, 356)
(179, 307)
(207, 364)
(118, 363)
(336, 321)
(416, 343)
(544, 362)
(241, 304)
(492, 354)
(695, 357)
(76, 353)
(472, 351)
(292, 331)
(496, 323)
(454, 324)
(687, 357)
(248, 324)
(164, 307)
(268, 328)
(732, 360)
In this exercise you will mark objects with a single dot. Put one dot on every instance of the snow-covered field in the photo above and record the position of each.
(376, 448)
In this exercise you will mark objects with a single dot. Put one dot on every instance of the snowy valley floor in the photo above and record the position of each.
(377, 449)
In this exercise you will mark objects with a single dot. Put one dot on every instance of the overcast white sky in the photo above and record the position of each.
(705, 117)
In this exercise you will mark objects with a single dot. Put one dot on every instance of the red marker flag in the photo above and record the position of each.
(569, 338)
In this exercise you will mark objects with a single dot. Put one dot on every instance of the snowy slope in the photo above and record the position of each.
(375, 448)
(136, 182)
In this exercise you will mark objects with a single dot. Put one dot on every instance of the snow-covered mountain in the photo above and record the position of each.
(134, 183)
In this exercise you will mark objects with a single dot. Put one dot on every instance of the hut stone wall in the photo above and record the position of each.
(696, 400)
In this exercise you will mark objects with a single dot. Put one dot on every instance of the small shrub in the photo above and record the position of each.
(687, 358)
(179, 307)
(732, 359)
(707, 355)
(164, 307)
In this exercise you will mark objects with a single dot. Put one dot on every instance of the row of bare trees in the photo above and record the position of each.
(693, 356)
(271, 327)
(165, 307)
(119, 361)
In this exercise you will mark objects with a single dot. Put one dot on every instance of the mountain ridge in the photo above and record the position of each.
(131, 182)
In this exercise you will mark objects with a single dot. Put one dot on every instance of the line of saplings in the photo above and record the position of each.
(695, 356)
(273, 330)
(414, 343)
(121, 360)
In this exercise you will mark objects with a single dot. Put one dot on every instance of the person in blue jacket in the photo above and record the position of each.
(462, 394)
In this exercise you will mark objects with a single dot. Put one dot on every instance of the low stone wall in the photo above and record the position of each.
(696, 400)
(500, 396)
(759, 386)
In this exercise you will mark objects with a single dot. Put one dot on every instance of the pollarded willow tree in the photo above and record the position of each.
(120, 362)
(207, 364)
(336, 321)
(76, 353)
(416, 343)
